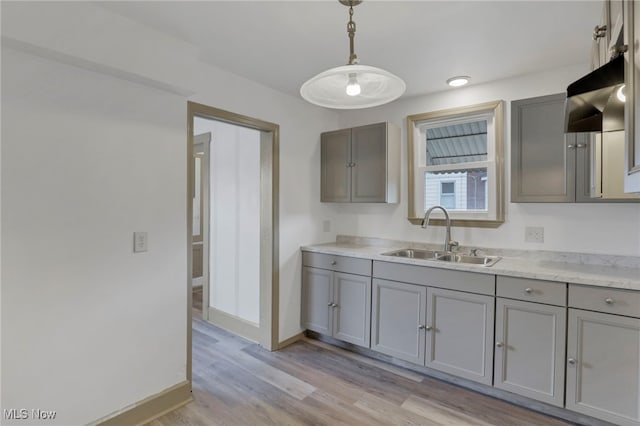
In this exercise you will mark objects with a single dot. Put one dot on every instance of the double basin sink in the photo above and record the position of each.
(443, 256)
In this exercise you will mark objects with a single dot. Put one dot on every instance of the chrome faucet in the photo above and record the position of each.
(449, 244)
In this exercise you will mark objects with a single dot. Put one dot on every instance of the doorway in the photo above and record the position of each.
(266, 218)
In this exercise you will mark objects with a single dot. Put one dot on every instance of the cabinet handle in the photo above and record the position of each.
(332, 305)
(428, 328)
(499, 344)
(599, 31)
(333, 262)
(571, 361)
(528, 290)
(421, 327)
(608, 301)
(581, 145)
(571, 146)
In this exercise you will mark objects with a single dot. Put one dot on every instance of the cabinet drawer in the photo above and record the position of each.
(603, 299)
(351, 265)
(549, 292)
(436, 277)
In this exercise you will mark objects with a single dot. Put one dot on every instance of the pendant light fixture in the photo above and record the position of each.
(352, 86)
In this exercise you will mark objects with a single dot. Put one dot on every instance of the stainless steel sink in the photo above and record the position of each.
(415, 253)
(475, 260)
(442, 256)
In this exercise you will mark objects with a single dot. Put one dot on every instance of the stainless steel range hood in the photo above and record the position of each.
(592, 103)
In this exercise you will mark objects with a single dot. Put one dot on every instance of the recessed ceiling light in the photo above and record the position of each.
(458, 81)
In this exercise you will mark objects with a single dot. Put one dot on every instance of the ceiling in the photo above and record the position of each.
(281, 44)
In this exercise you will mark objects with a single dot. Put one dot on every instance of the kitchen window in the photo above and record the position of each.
(456, 161)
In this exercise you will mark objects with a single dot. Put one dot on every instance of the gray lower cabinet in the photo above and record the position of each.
(337, 304)
(361, 164)
(603, 353)
(398, 310)
(530, 349)
(459, 331)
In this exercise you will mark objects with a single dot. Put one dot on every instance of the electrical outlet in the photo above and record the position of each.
(534, 234)
(326, 226)
(139, 242)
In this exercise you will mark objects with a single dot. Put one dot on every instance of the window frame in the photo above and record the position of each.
(495, 164)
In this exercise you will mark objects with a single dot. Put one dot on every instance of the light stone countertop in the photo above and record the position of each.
(597, 270)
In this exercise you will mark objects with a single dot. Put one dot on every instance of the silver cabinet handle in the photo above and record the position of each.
(499, 344)
(428, 328)
(608, 301)
(421, 327)
(571, 146)
(581, 145)
(332, 305)
(571, 361)
(528, 290)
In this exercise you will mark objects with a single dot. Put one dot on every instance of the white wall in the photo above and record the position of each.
(234, 256)
(86, 161)
(588, 228)
(94, 148)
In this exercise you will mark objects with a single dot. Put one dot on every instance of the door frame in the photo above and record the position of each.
(269, 219)
(203, 139)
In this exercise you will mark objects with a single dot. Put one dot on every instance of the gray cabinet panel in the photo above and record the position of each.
(351, 265)
(542, 163)
(352, 313)
(539, 291)
(460, 334)
(436, 277)
(603, 374)
(361, 164)
(398, 309)
(603, 299)
(632, 106)
(335, 170)
(317, 289)
(369, 158)
(530, 350)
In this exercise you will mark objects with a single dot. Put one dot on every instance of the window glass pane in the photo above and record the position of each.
(461, 190)
(457, 143)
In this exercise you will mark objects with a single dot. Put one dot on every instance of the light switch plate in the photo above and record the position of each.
(534, 234)
(326, 226)
(139, 242)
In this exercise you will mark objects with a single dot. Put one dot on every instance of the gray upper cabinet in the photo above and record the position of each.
(543, 165)
(361, 164)
(632, 106)
(549, 166)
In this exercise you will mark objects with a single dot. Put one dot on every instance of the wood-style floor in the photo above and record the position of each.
(236, 382)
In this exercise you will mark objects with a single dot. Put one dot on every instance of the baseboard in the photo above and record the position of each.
(150, 408)
(234, 324)
(291, 340)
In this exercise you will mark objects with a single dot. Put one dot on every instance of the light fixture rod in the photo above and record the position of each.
(351, 29)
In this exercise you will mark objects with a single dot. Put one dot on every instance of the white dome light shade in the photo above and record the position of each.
(329, 88)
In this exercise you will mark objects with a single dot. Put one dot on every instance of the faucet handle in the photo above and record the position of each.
(453, 246)
(473, 252)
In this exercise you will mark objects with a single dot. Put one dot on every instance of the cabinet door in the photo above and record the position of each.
(632, 106)
(352, 313)
(542, 159)
(460, 334)
(369, 160)
(316, 297)
(603, 371)
(398, 309)
(529, 354)
(335, 166)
